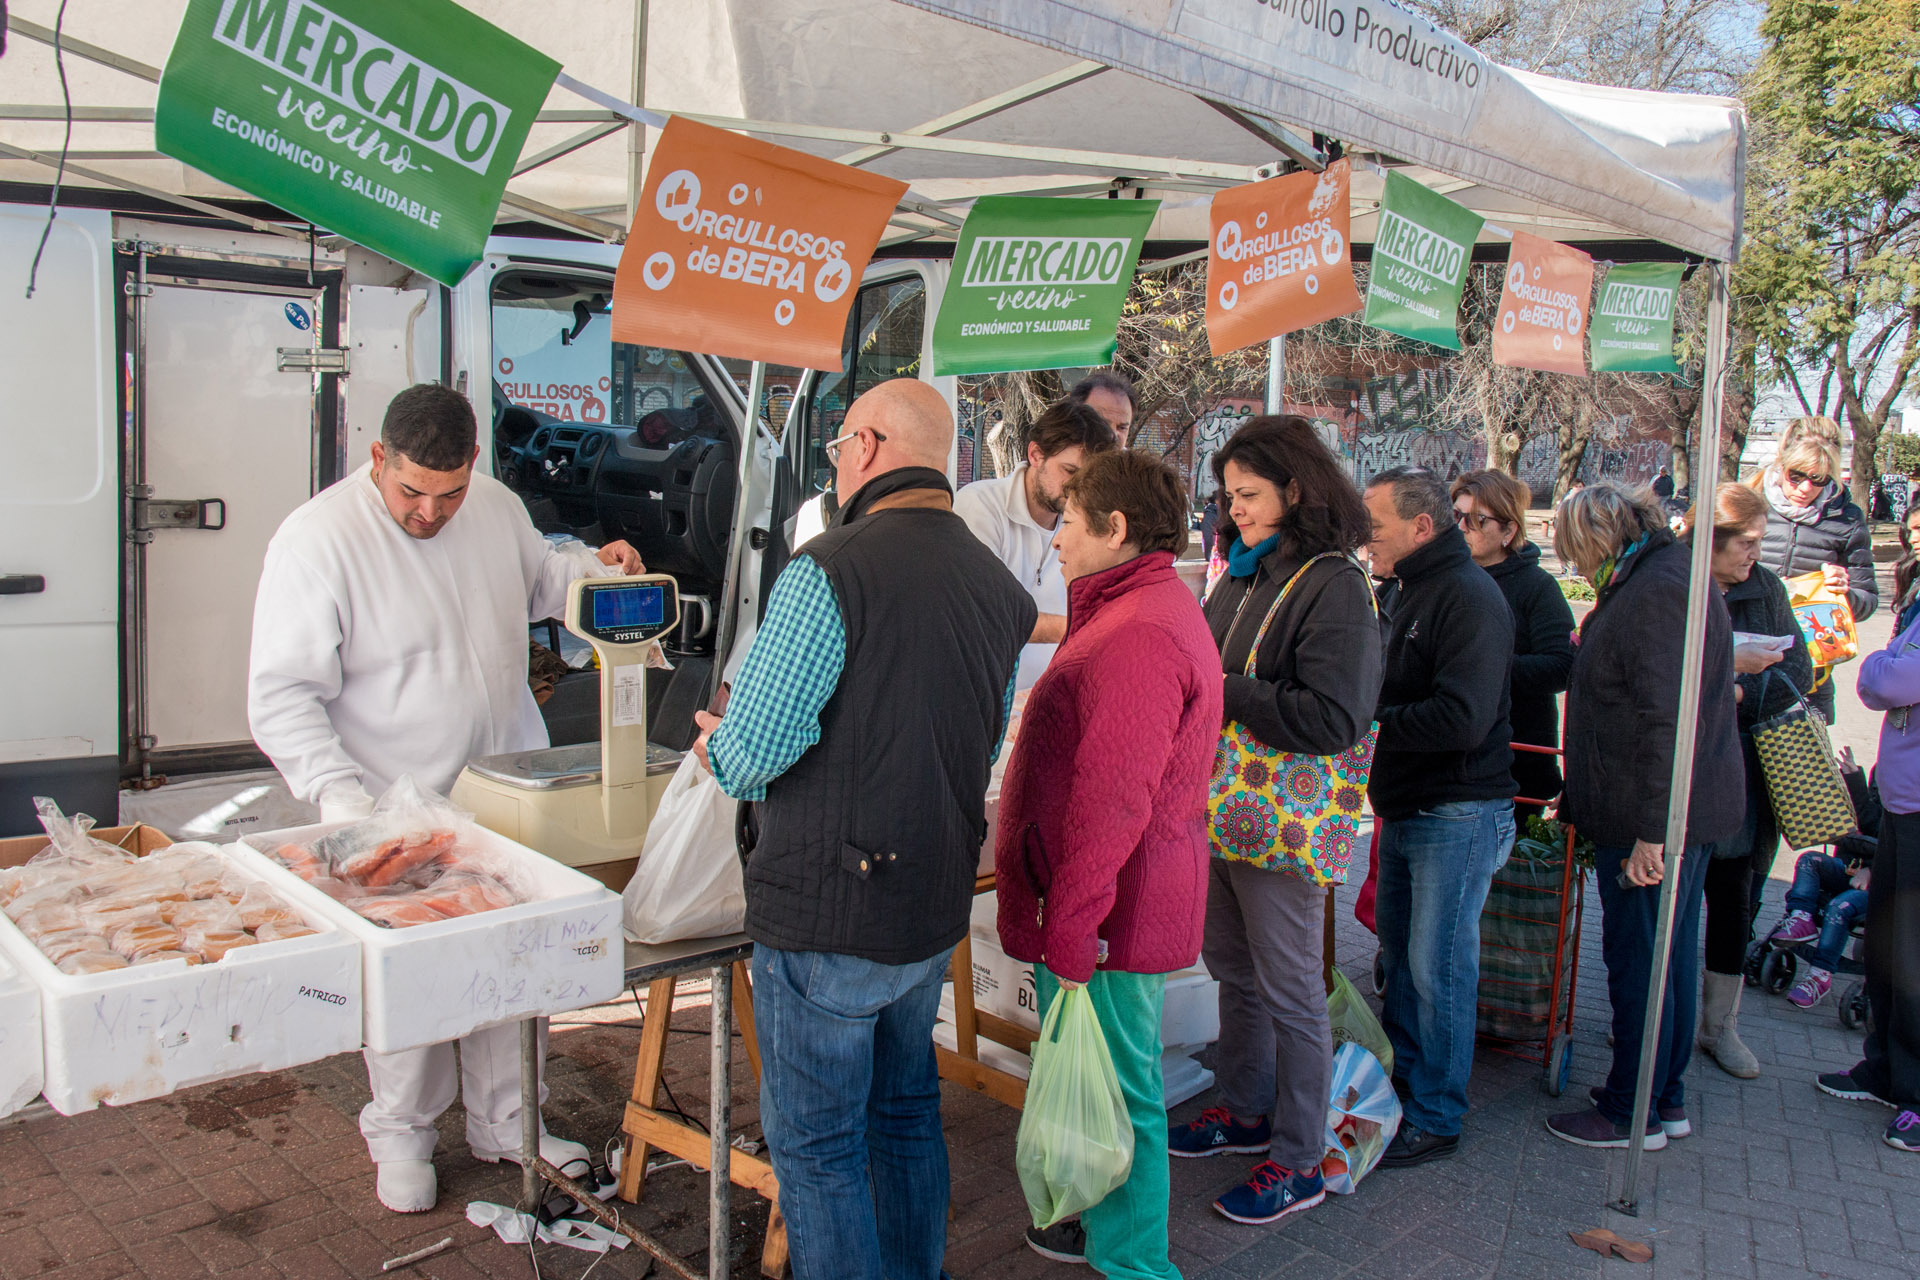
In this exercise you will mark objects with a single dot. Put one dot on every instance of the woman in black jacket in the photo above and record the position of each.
(1621, 727)
(1289, 586)
(1812, 526)
(1757, 605)
(1491, 509)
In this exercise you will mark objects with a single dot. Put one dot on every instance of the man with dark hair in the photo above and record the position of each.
(1111, 396)
(390, 639)
(865, 722)
(1442, 790)
(1015, 515)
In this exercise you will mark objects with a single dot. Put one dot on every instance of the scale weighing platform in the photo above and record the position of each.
(588, 806)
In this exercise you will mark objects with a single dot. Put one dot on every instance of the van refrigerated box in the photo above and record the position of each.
(429, 983)
(145, 1031)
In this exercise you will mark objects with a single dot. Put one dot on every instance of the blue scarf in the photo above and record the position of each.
(1243, 561)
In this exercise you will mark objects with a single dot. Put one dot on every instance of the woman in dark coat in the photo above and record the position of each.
(1290, 594)
(1621, 704)
(1812, 525)
(1491, 509)
(1757, 605)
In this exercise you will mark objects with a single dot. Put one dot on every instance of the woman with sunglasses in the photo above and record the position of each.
(1812, 525)
(1491, 509)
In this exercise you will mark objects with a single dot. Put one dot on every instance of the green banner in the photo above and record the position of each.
(1631, 330)
(1421, 253)
(394, 125)
(1038, 284)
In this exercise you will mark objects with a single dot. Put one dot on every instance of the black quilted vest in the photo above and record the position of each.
(869, 843)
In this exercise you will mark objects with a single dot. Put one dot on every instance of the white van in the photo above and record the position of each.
(175, 389)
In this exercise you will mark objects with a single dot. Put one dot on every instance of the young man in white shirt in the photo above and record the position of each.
(1016, 515)
(390, 638)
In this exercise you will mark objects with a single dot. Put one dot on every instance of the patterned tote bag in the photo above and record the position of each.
(1810, 798)
(1283, 810)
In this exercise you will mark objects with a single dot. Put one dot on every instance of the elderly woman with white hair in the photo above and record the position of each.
(1812, 525)
(1622, 700)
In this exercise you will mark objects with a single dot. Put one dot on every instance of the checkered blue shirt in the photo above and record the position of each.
(794, 666)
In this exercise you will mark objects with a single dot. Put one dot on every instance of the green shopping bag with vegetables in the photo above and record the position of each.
(1075, 1143)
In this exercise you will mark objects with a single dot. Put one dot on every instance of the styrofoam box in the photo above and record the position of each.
(21, 1052)
(434, 982)
(146, 1031)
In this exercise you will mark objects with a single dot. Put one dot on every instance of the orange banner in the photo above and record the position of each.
(741, 248)
(1542, 321)
(1280, 257)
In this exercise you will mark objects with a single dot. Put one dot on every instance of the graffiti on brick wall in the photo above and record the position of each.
(1211, 430)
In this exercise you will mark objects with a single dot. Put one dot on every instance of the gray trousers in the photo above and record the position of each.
(1275, 1057)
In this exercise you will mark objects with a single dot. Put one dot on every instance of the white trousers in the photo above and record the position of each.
(412, 1087)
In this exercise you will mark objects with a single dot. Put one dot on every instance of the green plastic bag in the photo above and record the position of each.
(1354, 1023)
(1075, 1143)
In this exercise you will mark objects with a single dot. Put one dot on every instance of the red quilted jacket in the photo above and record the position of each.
(1103, 810)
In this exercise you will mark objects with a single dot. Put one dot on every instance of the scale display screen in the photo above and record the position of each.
(623, 611)
(618, 608)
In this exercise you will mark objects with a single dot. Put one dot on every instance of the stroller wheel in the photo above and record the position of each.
(1853, 1006)
(1777, 970)
(1757, 953)
(1379, 974)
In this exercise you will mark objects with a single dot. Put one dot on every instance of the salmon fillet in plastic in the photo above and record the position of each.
(466, 894)
(301, 860)
(397, 912)
(387, 864)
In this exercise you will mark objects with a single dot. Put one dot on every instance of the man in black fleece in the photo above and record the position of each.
(1442, 789)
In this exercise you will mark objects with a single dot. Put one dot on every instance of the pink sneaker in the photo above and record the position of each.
(1811, 989)
(1798, 927)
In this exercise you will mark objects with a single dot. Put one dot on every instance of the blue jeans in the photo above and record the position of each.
(1434, 871)
(1822, 878)
(1628, 920)
(850, 1105)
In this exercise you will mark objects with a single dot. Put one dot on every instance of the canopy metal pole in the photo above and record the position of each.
(1712, 377)
(637, 132)
(742, 522)
(1276, 372)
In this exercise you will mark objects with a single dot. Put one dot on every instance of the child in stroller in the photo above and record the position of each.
(1827, 902)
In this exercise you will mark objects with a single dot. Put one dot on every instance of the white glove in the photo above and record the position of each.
(345, 802)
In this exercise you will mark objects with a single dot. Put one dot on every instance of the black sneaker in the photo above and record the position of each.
(1064, 1241)
(1414, 1145)
(1841, 1084)
(1904, 1133)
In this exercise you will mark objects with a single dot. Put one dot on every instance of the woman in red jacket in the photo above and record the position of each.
(1102, 874)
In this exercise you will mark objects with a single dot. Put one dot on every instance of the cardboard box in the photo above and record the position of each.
(21, 1050)
(146, 1031)
(435, 982)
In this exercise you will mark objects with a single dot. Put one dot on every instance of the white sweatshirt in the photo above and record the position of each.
(997, 512)
(377, 654)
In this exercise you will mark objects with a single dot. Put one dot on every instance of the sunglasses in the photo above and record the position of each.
(1468, 520)
(834, 446)
(1797, 477)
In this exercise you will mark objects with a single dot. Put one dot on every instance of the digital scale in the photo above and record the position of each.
(588, 806)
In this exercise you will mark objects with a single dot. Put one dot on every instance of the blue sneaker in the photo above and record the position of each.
(1904, 1133)
(1271, 1193)
(1215, 1134)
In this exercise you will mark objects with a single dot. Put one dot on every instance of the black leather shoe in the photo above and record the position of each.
(1414, 1145)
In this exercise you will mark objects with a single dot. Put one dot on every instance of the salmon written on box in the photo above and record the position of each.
(436, 969)
(123, 1034)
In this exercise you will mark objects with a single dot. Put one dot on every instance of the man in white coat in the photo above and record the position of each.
(1015, 515)
(390, 638)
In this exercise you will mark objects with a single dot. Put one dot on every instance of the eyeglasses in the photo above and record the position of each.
(1797, 477)
(1468, 520)
(834, 446)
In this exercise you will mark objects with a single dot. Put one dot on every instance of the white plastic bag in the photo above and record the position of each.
(1363, 1114)
(688, 883)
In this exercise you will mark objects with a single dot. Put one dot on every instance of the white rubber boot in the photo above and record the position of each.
(557, 1152)
(407, 1186)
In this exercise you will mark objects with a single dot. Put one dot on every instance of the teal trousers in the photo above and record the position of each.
(1127, 1232)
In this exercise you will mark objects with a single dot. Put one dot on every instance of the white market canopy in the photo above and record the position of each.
(1180, 98)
